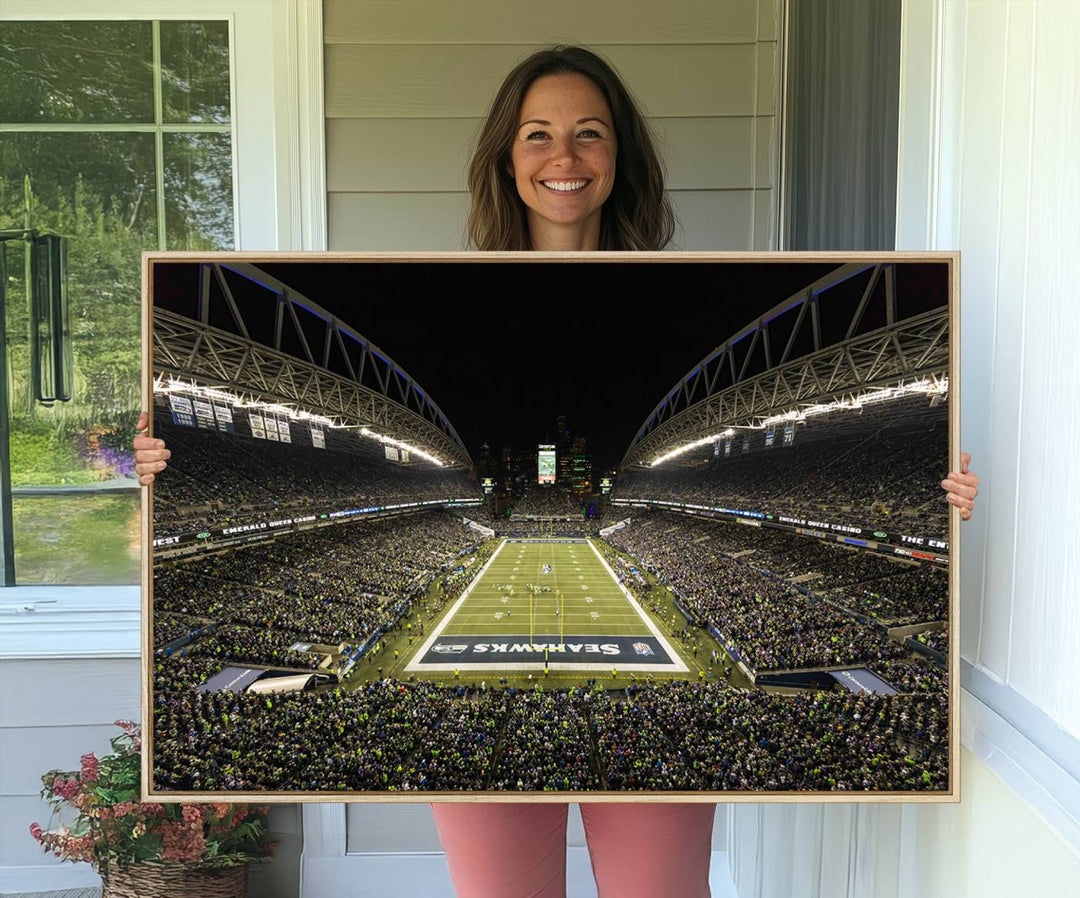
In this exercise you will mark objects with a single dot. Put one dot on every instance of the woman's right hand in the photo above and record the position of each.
(150, 453)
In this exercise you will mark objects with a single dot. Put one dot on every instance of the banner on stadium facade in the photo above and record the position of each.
(182, 412)
(318, 438)
(923, 548)
(224, 418)
(285, 523)
(204, 414)
(284, 431)
(257, 425)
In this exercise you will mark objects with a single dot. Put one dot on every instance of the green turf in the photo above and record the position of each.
(591, 600)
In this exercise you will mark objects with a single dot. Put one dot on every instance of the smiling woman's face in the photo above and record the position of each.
(563, 161)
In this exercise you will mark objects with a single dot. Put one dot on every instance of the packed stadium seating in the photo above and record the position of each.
(661, 736)
(873, 476)
(329, 586)
(220, 479)
(784, 602)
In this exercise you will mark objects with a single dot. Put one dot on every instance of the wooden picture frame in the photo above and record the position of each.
(790, 352)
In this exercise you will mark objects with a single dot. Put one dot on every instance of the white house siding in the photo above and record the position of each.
(53, 711)
(408, 83)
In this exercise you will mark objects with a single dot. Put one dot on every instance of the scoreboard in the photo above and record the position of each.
(545, 463)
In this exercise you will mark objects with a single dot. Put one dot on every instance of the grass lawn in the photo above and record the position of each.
(77, 539)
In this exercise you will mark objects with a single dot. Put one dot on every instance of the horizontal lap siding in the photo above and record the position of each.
(408, 84)
(53, 712)
(529, 23)
(460, 80)
(424, 155)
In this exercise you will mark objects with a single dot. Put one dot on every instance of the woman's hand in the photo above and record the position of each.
(150, 454)
(962, 487)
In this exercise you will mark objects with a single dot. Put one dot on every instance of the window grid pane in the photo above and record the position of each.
(112, 176)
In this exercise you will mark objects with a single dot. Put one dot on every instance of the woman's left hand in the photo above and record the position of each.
(962, 487)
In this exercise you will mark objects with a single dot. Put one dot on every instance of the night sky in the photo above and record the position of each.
(505, 348)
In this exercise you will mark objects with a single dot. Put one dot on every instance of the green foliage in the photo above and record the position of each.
(114, 828)
(77, 539)
(39, 458)
(100, 191)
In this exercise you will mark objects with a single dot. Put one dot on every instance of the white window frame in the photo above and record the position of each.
(279, 204)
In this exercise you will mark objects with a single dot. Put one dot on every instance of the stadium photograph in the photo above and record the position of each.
(584, 529)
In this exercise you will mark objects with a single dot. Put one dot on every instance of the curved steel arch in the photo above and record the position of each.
(374, 390)
(721, 392)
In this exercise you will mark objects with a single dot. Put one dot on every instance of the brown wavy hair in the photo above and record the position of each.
(637, 214)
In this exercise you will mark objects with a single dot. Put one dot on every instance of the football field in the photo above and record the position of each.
(554, 602)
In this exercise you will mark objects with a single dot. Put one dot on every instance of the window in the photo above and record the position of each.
(116, 135)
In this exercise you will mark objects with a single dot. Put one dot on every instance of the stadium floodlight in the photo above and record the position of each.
(178, 385)
(935, 386)
(704, 441)
(390, 441)
(928, 386)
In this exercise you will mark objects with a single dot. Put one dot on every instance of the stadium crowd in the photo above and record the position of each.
(664, 736)
(870, 476)
(935, 640)
(331, 586)
(217, 479)
(546, 502)
(773, 625)
(706, 560)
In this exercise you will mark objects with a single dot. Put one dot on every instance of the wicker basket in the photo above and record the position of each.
(174, 881)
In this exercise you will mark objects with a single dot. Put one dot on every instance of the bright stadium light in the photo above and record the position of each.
(928, 386)
(177, 385)
(390, 441)
(704, 441)
(934, 386)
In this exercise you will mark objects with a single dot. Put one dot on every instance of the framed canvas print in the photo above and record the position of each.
(591, 527)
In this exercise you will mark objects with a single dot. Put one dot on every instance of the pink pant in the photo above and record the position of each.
(638, 850)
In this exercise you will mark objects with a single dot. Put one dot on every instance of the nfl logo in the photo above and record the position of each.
(643, 648)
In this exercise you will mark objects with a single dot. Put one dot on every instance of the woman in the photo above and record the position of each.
(565, 163)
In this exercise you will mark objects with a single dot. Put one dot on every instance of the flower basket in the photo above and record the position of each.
(148, 849)
(174, 881)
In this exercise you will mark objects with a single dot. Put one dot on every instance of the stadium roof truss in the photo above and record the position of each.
(742, 382)
(293, 369)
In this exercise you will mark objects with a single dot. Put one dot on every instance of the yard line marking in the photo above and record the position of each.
(437, 632)
(680, 665)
